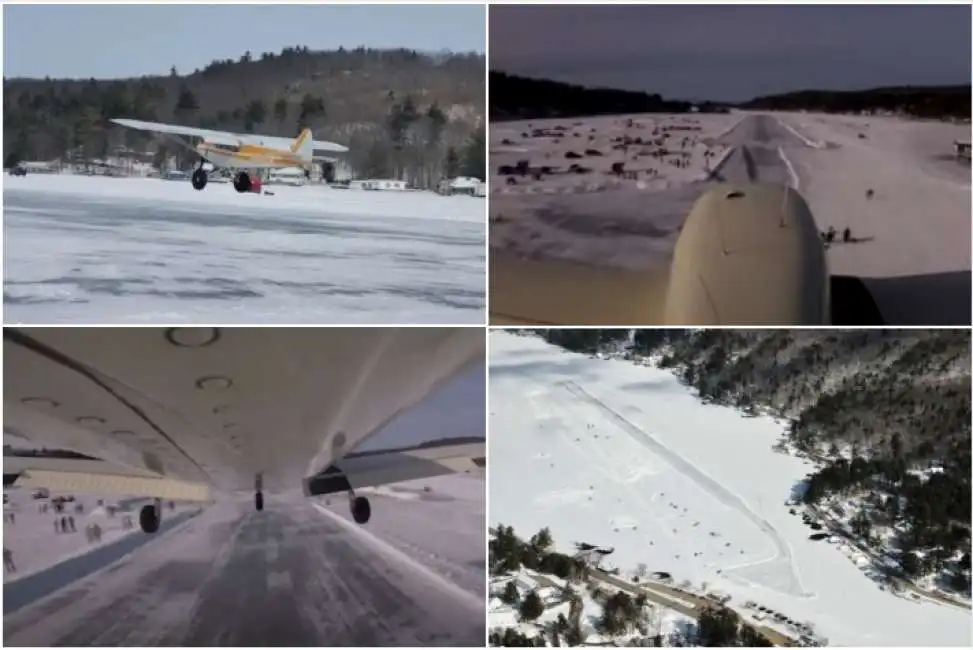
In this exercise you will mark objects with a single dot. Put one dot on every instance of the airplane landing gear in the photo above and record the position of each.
(199, 178)
(361, 509)
(242, 182)
(258, 486)
(150, 516)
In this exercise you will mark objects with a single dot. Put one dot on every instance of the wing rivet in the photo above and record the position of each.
(40, 401)
(214, 383)
(192, 337)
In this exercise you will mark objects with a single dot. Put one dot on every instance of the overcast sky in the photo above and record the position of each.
(733, 52)
(112, 41)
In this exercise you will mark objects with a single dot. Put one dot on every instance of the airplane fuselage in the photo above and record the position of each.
(249, 156)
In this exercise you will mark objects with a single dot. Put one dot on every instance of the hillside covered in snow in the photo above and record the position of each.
(816, 484)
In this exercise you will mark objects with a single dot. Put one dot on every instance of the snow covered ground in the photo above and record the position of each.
(919, 216)
(664, 622)
(94, 249)
(914, 251)
(452, 538)
(34, 544)
(296, 574)
(599, 215)
(619, 455)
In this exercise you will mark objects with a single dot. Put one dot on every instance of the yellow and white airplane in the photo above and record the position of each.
(241, 152)
(198, 414)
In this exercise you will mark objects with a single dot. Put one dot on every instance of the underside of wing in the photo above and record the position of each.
(376, 468)
(98, 477)
(216, 137)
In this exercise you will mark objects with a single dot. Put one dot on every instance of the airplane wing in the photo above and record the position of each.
(97, 477)
(217, 406)
(215, 137)
(376, 468)
(226, 137)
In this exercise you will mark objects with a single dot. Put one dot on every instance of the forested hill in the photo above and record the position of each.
(920, 101)
(375, 101)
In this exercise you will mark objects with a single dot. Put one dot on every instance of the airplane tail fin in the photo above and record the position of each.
(304, 145)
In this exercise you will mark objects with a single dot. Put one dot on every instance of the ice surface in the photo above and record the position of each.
(89, 249)
(36, 546)
(287, 576)
(915, 253)
(614, 454)
(600, 216)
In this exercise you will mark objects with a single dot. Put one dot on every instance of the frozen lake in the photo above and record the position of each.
(106, 250)
(617, 455)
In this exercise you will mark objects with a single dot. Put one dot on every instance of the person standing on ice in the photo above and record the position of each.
(8, 560)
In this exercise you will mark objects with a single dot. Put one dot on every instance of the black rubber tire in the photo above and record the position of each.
(200, 179)
(361, 510)
(149, 519)
(242, 183)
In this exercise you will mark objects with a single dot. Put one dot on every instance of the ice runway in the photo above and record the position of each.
(290, 575)
(102, 250)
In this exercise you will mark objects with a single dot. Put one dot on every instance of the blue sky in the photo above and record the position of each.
(112, 41)
(734, 52)
(458, 409)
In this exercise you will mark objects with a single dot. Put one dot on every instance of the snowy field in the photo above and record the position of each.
(588, 213)
(34, 544)
(619, 455)
(914, 252)
(299, 573)
(94, 250)
(452, 538)
(917, 223)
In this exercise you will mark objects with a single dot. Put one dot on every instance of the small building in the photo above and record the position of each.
(287, 176)
(962, 150)
(465, 185)
(379, 185)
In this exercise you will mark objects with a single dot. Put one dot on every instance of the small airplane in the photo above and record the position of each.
(242, 152)
(198, 414)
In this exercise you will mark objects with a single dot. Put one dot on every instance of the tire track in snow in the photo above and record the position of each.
(724, 496)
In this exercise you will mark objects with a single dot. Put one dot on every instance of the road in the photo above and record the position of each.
(296, 574)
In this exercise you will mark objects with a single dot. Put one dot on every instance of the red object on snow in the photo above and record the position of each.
(256, 184)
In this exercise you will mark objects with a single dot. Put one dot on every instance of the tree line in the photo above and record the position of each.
(918, 101)
(404, 115)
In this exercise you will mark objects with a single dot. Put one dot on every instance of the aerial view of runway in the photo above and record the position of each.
(125, 250)
(297, 574)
